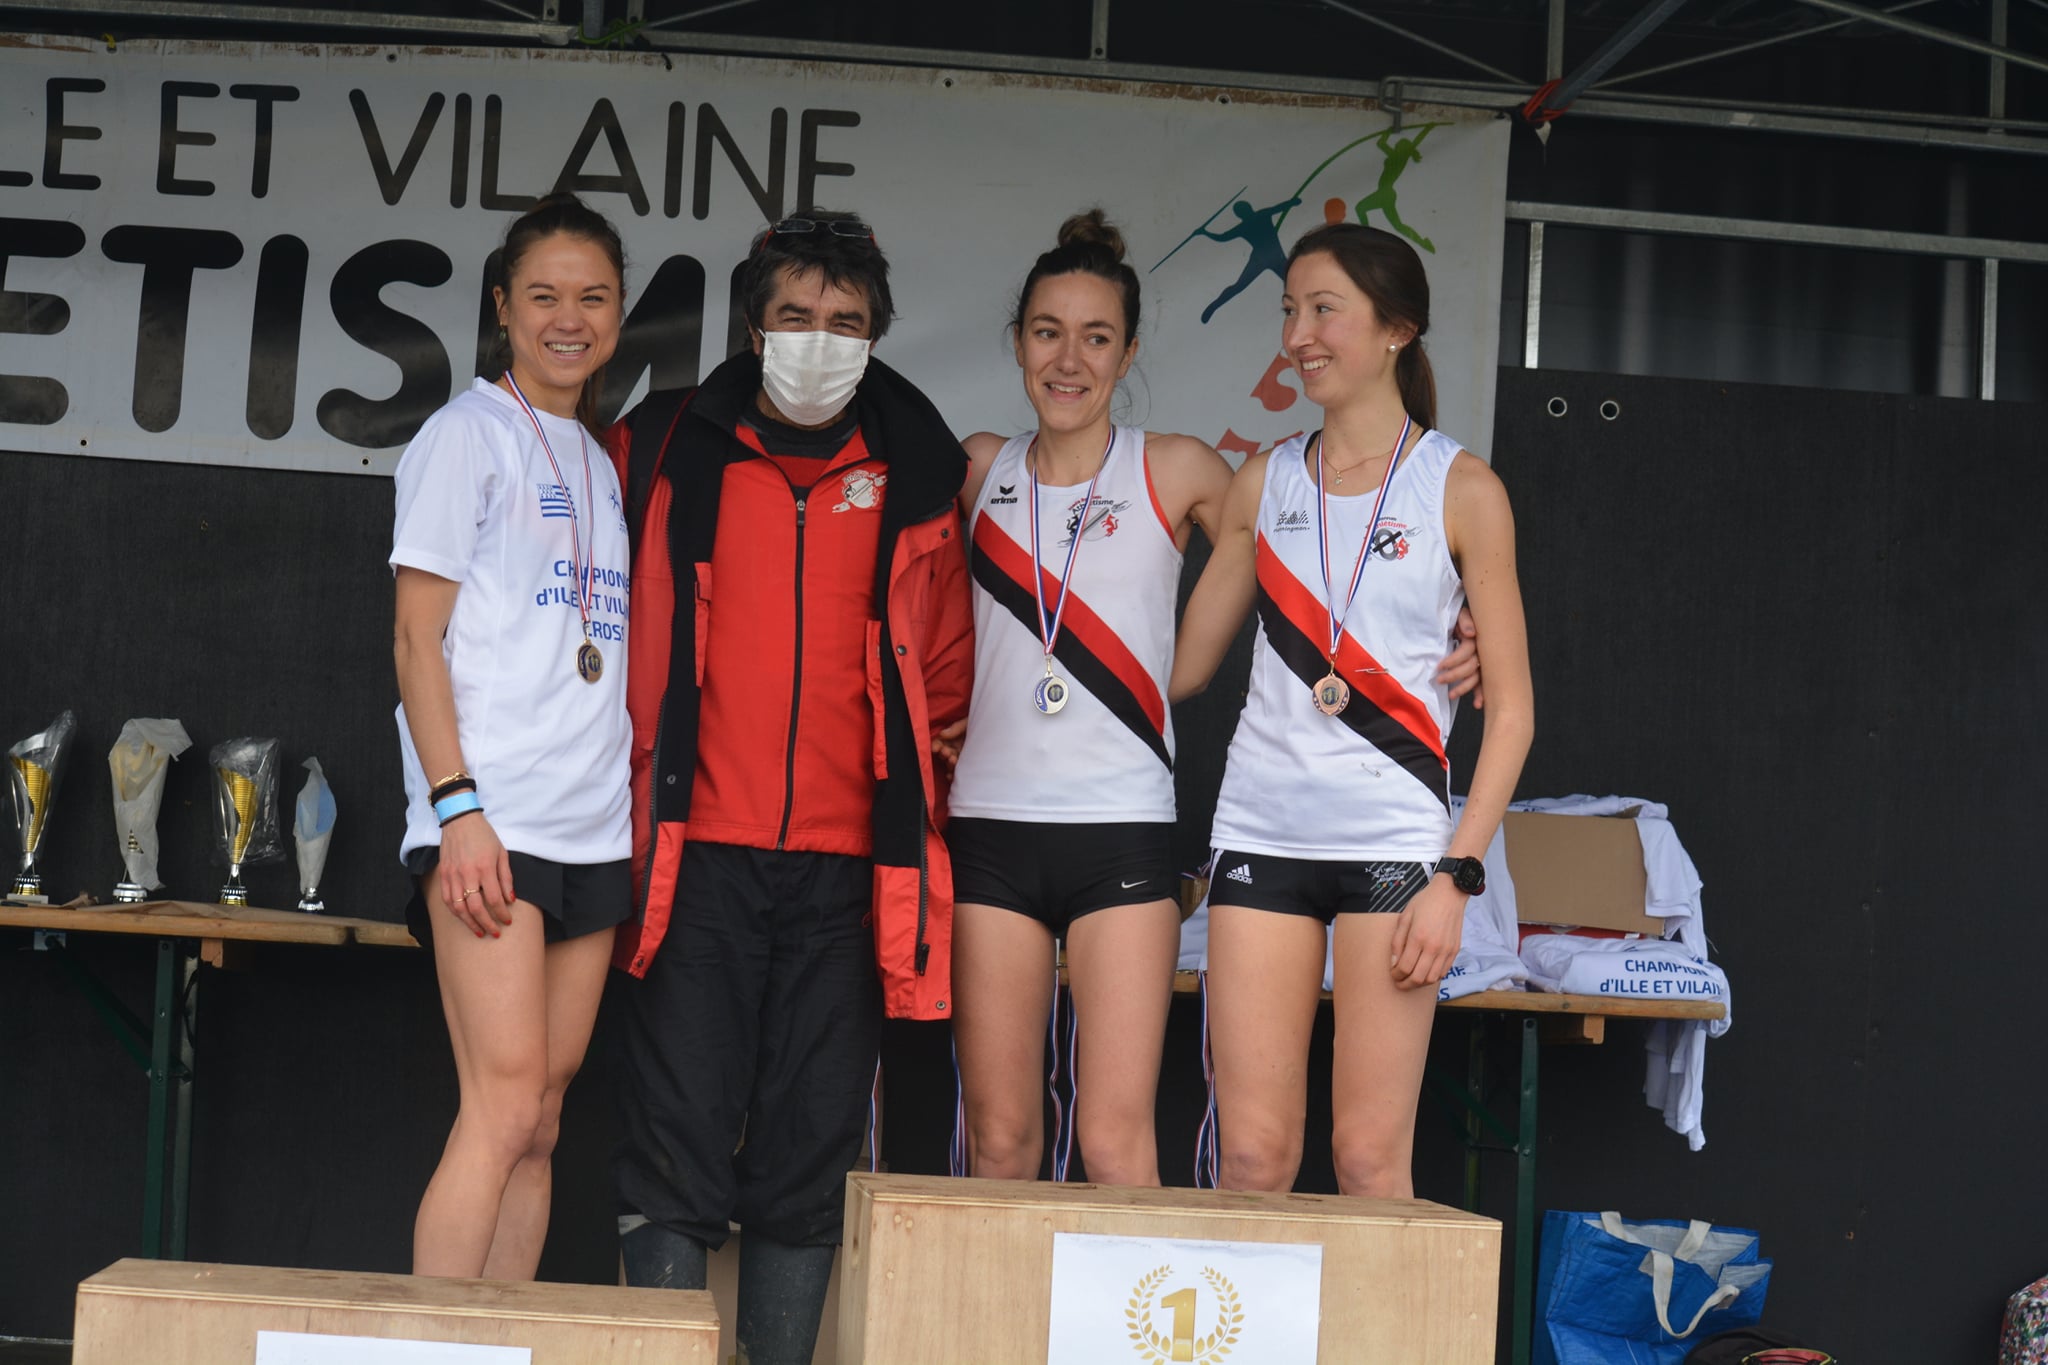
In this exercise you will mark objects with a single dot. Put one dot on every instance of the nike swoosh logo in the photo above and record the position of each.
(1128, 885)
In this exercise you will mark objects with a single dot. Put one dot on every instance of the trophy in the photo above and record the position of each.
(140, 760)
(244, 809)
(34, 767)
(312, 829)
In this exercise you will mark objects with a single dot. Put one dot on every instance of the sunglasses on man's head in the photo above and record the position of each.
(842, 227)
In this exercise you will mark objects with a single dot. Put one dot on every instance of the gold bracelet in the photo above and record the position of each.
(459, 775)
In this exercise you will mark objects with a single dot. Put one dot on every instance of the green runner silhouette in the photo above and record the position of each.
(1397, 156)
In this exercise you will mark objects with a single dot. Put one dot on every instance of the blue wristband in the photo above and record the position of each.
(462, 803)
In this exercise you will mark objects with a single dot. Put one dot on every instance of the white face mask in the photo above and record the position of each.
(811, 376)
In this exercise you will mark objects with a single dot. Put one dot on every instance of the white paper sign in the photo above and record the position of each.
(273, 254)
(304, 1348)
(1134, 1299)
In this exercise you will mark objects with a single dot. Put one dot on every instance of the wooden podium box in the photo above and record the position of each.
(185, 1313)
(936, 1271)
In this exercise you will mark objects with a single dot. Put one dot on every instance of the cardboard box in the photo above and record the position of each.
(1579, 871)
(186, 1313)
(939, 1271)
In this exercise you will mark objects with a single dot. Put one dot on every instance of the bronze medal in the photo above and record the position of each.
(1332, 694)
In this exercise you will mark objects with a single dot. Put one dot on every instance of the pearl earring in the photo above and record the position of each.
(1394, 346)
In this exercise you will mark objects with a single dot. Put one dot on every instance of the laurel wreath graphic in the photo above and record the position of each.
(1157, 1349)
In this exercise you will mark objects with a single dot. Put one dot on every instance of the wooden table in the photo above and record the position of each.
(1539, 1017)
(187, 933)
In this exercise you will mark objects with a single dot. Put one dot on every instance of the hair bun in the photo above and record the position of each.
(1092, 229)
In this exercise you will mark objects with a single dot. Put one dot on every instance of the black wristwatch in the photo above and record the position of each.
(1467, 874)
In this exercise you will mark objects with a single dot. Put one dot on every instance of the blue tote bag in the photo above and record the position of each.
(1617, 1291)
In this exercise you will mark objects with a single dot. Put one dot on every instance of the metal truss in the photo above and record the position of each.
(1601, 99)
(400, 26)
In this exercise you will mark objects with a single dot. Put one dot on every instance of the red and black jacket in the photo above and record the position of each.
(672, 452)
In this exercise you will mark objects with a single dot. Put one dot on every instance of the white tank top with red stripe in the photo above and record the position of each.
(1369, 783)
(1108, 755)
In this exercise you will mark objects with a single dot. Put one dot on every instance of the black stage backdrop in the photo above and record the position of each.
(1808, 621)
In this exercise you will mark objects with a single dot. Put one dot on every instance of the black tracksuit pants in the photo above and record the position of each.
(749, 1049)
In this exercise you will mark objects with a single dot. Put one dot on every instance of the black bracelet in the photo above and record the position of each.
(449, 788)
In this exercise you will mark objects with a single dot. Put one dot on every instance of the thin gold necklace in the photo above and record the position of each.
(1338, 482)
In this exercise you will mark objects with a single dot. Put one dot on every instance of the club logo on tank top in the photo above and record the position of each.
(1097, 518)
(1393, 540)
(1297, 519)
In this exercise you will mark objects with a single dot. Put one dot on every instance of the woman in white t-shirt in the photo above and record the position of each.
(510, 551)
(1357, 544)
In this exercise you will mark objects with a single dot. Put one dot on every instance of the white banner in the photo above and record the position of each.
(1160, 1299)
(274, 255)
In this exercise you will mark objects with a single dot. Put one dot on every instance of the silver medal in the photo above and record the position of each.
(1050, 696)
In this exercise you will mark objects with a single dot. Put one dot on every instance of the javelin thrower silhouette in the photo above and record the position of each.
(1258, 229)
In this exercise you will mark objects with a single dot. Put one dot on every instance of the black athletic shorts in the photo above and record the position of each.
(1058, 873)
(574, 899)
(1319, 890)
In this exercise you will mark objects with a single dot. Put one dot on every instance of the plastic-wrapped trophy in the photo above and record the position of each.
(34, 767)
(312, 828)
(244, 810)
(140, 760)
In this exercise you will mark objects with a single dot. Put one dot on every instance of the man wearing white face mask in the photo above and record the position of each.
(802, 630)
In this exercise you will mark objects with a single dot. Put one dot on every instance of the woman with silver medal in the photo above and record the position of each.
(511, 560)
(1062, 802)
(1334, 829)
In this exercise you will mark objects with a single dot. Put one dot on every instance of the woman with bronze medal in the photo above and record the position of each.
(510, 553)
(1357, 544)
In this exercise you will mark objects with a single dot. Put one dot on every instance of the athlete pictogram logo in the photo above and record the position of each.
(1295, 520)
(861, 488)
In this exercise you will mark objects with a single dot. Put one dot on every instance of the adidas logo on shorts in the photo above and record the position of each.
(1241, 873)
